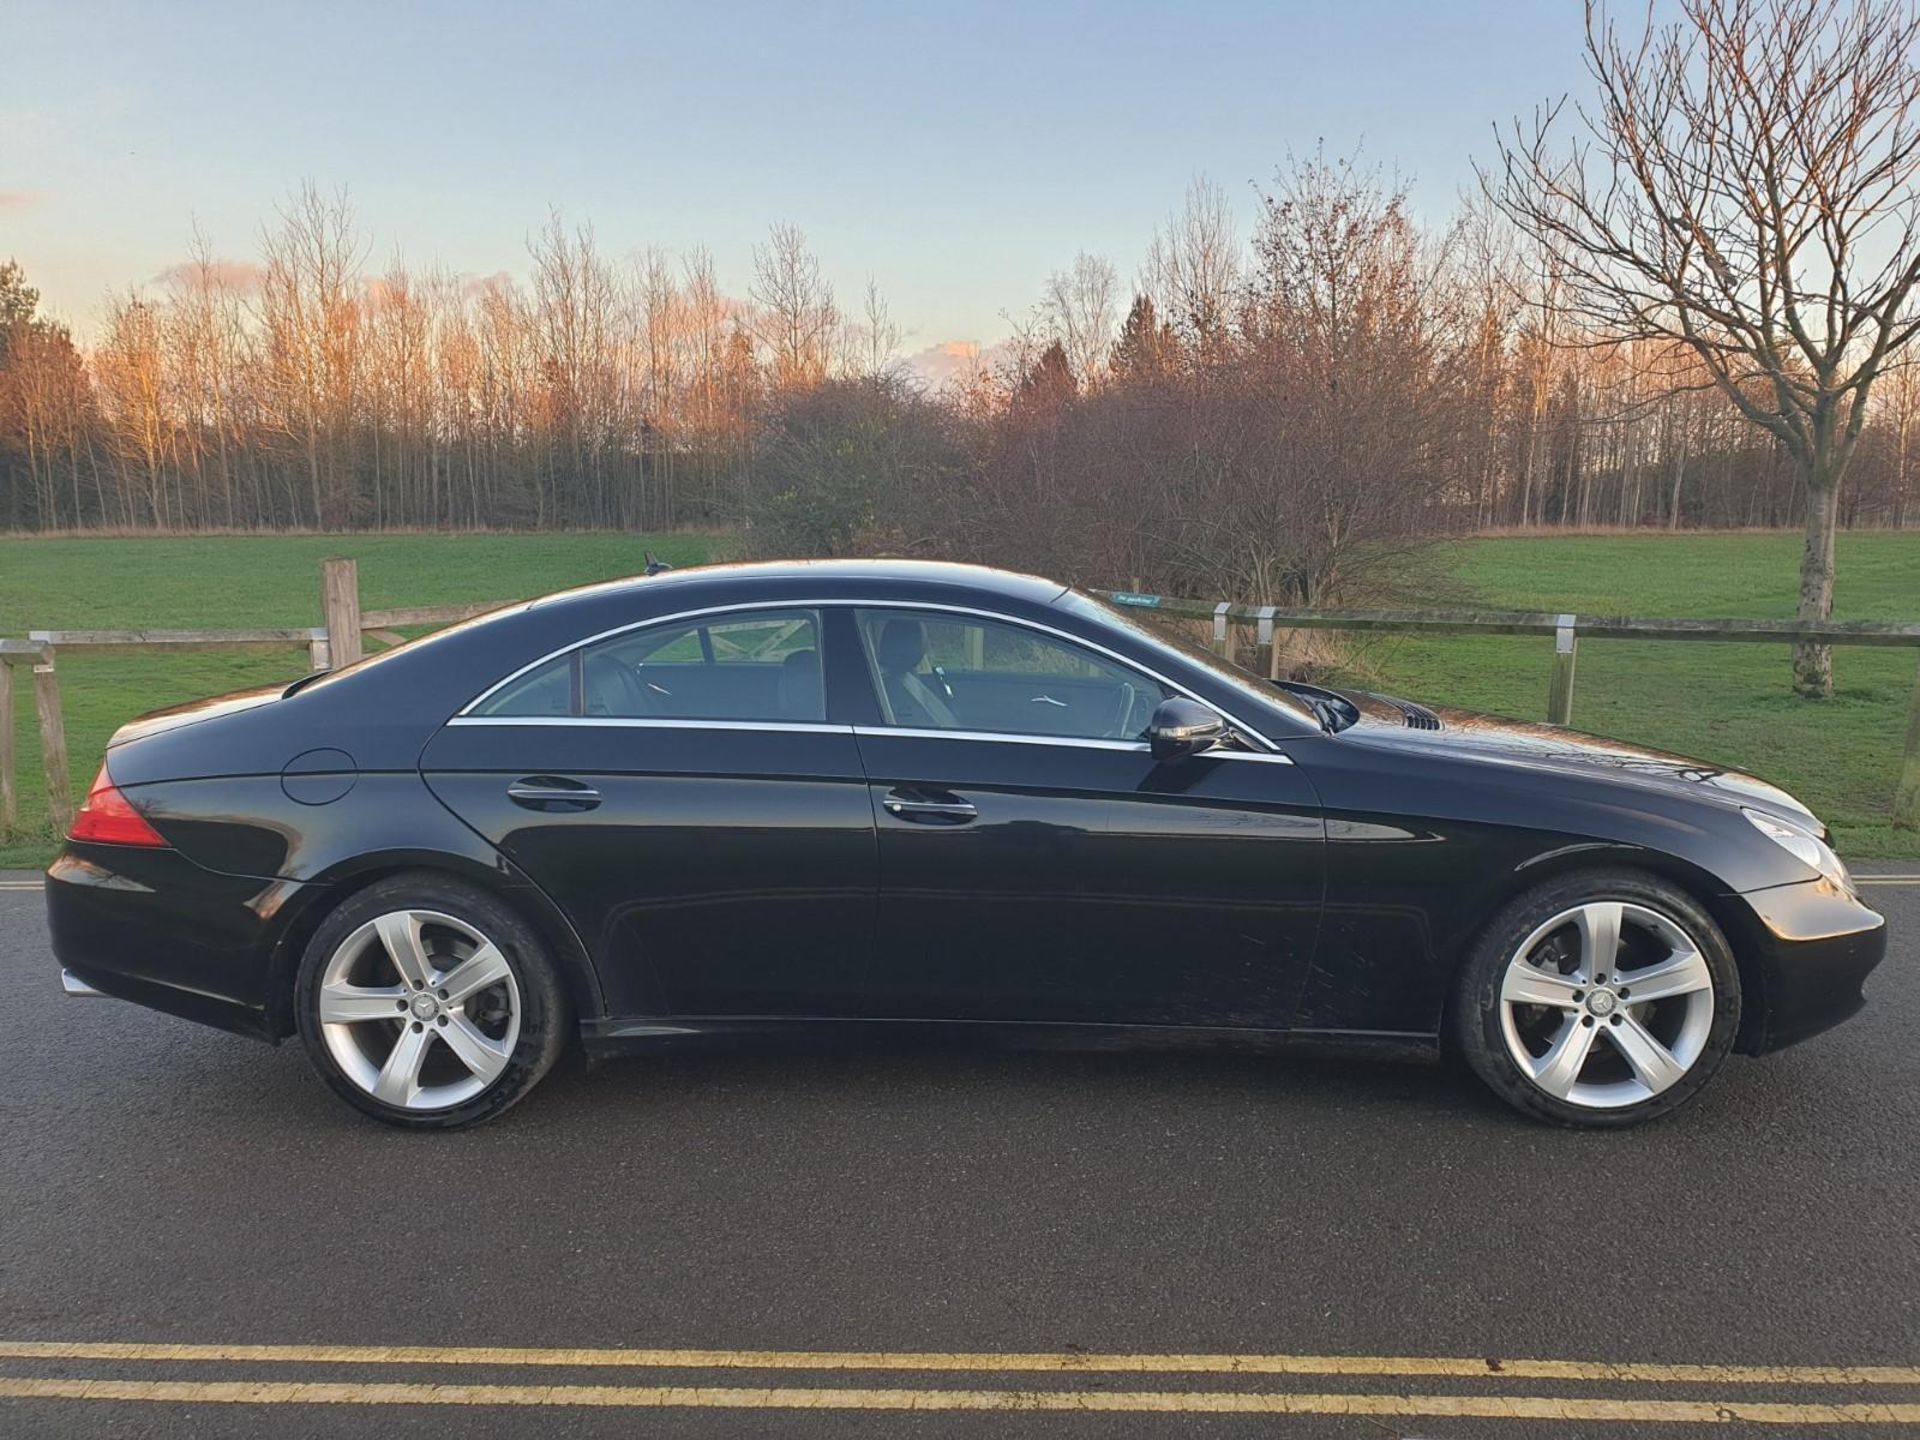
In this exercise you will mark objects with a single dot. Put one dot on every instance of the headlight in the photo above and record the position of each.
(1805, 846)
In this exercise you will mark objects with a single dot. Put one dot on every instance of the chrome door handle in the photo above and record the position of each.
(911, 807)
(541, 791)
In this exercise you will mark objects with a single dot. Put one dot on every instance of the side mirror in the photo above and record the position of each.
(1182, 727)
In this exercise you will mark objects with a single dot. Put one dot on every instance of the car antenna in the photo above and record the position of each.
(655, 565)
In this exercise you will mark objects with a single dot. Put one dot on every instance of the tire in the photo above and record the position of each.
(1560, 1035)
(459, 1045)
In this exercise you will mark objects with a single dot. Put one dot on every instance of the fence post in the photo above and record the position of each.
(53, 744)
(1906, 799)
(1560, 691)
(340, 607)
(1220, 626)
(9, 801)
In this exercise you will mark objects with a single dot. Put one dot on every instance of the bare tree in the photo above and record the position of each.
(130, 367)
(797, 316)
(876, 334)
(1193, 264)
(1485, 267)
(1902, 396)
(1081, 308)
(575, 304)
(1745, 186)
(309, 305)
(208, 336)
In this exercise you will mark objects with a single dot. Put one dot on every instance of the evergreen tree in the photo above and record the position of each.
(1048, 383)
(1146, 347)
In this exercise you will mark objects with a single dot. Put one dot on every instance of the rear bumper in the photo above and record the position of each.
(152, 927)
(1816, 946)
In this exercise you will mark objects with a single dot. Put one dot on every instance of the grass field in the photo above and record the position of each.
(1729, 703)
(236, 580)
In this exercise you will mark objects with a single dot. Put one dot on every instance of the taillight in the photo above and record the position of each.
(108, 818)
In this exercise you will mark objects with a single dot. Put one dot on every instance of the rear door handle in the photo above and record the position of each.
(910, 805)
(552, 792)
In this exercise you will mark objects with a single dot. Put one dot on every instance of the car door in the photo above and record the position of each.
(1037, 863)
(679, 790)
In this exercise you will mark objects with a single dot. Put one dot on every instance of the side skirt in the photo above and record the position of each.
(628, 1035)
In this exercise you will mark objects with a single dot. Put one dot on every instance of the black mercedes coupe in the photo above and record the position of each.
(834, 800)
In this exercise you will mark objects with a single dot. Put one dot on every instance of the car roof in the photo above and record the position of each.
(466, 652)
(748, 576)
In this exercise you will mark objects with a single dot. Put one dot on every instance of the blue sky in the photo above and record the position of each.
(955, 151)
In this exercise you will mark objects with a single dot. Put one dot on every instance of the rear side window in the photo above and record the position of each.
(545, 691)
(761, 665)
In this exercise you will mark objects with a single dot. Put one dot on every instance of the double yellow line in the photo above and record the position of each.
(1846, 1409)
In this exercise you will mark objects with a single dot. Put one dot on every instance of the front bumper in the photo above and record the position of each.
(152, 927)
(1815, 946)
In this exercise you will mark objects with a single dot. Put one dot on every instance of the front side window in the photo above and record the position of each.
(1256, 696)
(942, 672)
(761, 665)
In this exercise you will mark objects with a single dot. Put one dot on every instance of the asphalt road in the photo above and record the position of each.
(165, 1183)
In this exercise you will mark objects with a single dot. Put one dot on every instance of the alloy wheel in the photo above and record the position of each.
(419, 1009)
(1607, 1004)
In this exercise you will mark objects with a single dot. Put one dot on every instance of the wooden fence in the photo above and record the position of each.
(1566, 630)
(341, 640)
(17, 655)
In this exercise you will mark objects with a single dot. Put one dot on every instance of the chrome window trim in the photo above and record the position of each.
(652, 722)
(487, 694)
(1004, 737)
(863, 603)
(1010, 737)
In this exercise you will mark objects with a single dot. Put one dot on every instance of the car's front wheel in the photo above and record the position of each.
(427, 1003)
(1601, 998)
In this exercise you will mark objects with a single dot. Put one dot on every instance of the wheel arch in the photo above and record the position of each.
(503, 882)
(1728, 910)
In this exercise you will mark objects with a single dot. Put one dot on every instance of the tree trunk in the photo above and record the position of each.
(1813, 664)
(1900, 493)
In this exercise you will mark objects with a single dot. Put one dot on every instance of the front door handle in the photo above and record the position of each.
(911, 805)
(552, 792)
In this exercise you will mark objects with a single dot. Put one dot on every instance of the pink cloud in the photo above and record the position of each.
(244, 277)
(22, 199)
(482, 284)
(952, 360)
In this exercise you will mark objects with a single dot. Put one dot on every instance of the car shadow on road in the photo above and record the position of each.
(924, 1076)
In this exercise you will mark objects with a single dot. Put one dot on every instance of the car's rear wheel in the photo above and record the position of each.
(427, 1003)
(1602, 998)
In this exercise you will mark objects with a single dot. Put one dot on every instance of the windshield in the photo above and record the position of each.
(1255, 688)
